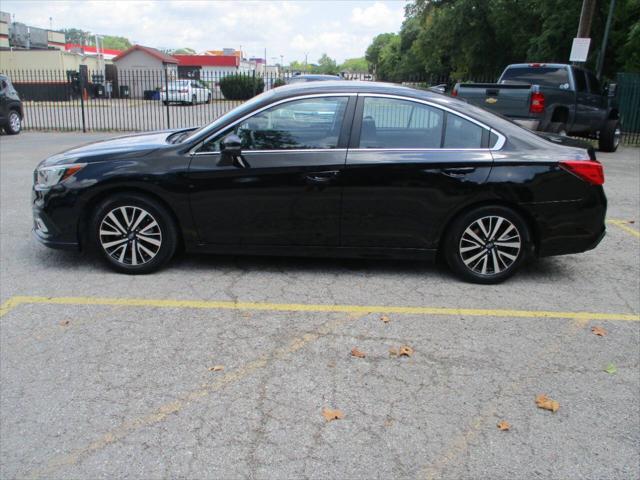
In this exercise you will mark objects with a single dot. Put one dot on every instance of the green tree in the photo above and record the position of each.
(115, 43)
(184, 51)
(355, 65)
(326, 65)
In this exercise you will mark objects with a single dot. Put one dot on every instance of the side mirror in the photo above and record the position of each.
(231, 151)
(231, 145)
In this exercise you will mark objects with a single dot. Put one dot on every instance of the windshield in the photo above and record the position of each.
(246, 107)
(544, 76)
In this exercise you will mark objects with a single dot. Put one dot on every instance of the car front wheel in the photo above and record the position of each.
(487, 245)
(134, 233)
(609, 138)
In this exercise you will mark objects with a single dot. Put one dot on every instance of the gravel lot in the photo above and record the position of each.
(97, 385)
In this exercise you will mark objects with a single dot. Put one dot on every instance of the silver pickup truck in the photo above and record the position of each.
(551, 97)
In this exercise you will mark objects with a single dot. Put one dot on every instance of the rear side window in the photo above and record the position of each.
(581, 81)
(556, 77)
(394, 123)
(461, 133)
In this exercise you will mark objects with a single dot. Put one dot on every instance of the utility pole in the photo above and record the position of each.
(605, 38)
(586, 17)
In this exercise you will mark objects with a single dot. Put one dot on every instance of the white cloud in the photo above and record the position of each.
(378, 15)
(342, 29)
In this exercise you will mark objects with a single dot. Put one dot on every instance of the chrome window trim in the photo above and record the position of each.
(255, 112)
(498, 146)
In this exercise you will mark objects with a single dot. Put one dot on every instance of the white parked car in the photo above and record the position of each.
(186, 91)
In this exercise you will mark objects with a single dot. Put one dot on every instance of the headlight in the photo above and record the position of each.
(50, 176)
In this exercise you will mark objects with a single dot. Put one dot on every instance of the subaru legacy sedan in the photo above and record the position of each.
(357, 169)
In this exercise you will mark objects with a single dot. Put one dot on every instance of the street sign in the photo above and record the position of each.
(580, 50)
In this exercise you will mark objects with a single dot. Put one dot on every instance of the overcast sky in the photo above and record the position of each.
(342, 29)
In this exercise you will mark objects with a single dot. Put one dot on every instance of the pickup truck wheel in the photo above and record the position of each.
(609, 136)
(558, 128)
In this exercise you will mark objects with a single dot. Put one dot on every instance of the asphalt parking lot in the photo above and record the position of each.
(220, 367)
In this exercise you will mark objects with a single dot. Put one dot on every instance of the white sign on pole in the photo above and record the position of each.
(580, 50)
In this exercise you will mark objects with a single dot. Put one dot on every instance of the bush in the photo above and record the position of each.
(241, 86)
(279, 82)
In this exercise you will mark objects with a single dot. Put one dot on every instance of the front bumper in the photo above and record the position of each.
(55, 218)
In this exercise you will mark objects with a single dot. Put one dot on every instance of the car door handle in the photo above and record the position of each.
(321, 178)
(458, 171)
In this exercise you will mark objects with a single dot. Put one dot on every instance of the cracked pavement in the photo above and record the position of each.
(111, 391)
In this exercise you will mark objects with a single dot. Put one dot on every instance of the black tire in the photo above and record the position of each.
(559, 128)
(497, 254)
(165, 102)
(14, 123)
(165, 233)
(209, 98)
(609, 138)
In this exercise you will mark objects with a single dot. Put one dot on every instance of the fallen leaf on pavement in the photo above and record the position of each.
(405, 350)
(64, 323)
(330, 415)
(216, 368)
(542, 401)
(502, 425)
(632, 221)
(611, 369)
(384, 318)
(357, 353)
(601, 332)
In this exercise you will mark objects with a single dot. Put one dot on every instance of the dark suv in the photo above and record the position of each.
(10, 107)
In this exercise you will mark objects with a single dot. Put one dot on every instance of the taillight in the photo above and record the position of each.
(537, 102)
(588, 170)
(454, 92)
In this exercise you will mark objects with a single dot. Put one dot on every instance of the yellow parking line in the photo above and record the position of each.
(303, 307)
(624, 225)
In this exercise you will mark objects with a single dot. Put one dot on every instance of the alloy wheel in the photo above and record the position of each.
(130, 235)
(490, 245)
(616, 137)
(14, 122)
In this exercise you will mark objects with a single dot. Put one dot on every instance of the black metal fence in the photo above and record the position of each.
(143, 100)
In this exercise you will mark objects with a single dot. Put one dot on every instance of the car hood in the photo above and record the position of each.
(127, 146)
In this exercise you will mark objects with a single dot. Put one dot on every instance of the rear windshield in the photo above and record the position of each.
(544, 76)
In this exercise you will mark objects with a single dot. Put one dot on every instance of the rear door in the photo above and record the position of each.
(409, 166)
(584, 108)
(597, 102)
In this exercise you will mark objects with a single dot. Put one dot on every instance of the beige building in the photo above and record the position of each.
(143, 69)
(46, 60)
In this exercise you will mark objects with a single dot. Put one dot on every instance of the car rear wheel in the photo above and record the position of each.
(134, 233)
(487, 245)
(194, 100)
(610, 136)
(14, 123)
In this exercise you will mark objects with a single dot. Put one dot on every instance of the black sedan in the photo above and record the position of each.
(356, 169)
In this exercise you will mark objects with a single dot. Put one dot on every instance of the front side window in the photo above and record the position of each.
(310, 123)
(394, 123)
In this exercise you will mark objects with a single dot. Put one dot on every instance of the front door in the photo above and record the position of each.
(287, 188)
